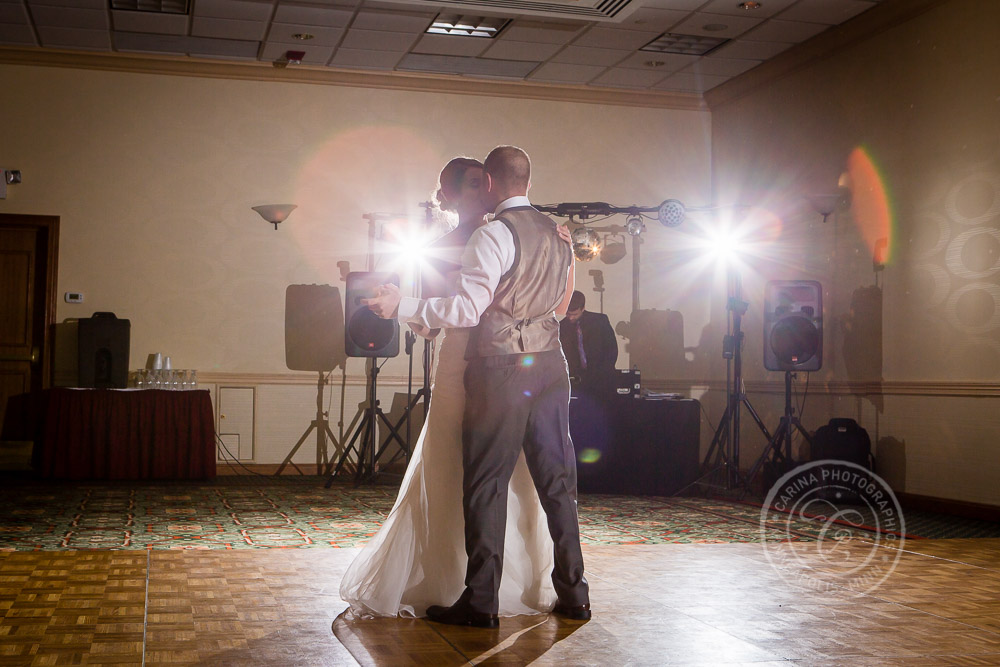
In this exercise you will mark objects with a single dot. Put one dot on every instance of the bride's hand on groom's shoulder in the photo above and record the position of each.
(385, 303)
(563, 232)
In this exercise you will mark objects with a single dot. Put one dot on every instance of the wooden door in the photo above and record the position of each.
(28, 249)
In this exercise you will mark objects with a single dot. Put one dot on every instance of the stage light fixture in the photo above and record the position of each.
(586, 244)
(613, 249)
(671, 213)
(635, 225)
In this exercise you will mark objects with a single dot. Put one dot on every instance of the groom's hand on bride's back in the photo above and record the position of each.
(385, 303)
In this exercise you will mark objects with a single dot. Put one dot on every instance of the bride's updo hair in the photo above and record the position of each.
(450, 181)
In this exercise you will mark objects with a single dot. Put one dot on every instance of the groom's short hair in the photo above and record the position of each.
(509, 167)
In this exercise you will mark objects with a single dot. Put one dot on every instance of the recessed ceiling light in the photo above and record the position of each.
(749, 4)
(303, 36)
(466, 26)
(655, 63)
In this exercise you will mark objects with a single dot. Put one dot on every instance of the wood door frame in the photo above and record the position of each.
(48, 225)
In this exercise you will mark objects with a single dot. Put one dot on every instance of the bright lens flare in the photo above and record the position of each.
(404, 244)
(870, 205)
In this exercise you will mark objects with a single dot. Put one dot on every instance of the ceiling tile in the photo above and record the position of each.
(167, 24)
(777, 30)
(728, 67)
(686, 5)
(228, 28)
(448, 45)
(16, 34)
(613, 38)
(282, 32)
(233, 9)
(565, 73)
(671, 61)
(549, 32)
(67, 17)
(767, 9)
(378, 40)
(653, 20)
(509, 50)
(222, 47)
(393, 21)
(824, 11)
(382, 4)
(73, 38)
(715, 25)
(620, 77)
(743, 48)
(13, 13)
(315, 54)
(384, 60)
(690, 82)
(319, 16)
(446, 64)
(150, 43)
(75, 4)
(585, 55)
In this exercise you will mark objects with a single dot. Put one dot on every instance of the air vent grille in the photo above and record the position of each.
(579, 9)
(153, 6)
(688, 45)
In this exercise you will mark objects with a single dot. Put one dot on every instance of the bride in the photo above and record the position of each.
(417, 558)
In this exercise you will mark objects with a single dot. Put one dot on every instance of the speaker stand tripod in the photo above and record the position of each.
(781, 456)
(724, 453)
(364, 441)
(322, 427)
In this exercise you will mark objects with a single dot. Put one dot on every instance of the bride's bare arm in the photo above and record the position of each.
(570, 285)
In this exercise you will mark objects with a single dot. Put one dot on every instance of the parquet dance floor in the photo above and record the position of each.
(808, 603)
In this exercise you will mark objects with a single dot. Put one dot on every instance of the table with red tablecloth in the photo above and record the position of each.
(116, 434)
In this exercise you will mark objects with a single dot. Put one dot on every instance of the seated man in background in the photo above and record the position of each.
(589, 343)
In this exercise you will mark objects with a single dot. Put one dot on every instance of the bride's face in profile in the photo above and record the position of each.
(467, 202)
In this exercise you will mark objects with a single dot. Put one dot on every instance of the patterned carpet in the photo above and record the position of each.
(246, 512)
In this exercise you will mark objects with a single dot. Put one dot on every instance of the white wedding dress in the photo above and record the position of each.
(417, 558)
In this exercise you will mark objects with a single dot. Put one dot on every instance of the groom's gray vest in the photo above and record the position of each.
(521, 319)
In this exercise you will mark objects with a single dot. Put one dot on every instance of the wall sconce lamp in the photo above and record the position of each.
(827, 204)
(275, 213)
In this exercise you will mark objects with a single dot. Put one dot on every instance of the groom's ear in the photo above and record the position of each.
(488, 181)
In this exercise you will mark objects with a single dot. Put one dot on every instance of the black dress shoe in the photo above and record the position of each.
(461, 614)
(578, 613)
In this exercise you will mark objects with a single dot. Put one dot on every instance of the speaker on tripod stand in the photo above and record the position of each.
(314, 321)
(368, 336)
(793, 341)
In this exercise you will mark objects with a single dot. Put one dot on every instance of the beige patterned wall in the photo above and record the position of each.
(153, 177)
(918, 104)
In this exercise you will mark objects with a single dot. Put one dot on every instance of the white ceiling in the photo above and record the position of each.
(595, 43)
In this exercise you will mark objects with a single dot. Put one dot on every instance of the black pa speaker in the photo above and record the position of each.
(314, 327)
(103, 351)
(793, 325)
(365, 333)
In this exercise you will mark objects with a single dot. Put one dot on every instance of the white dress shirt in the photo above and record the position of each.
(488, 256)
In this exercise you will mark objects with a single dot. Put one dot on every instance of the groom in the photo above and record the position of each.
(514, 274)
